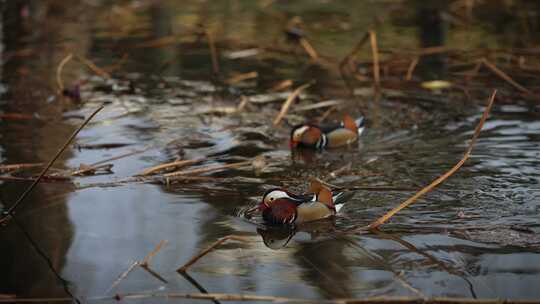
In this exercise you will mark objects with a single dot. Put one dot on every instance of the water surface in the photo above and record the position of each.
(474, 236)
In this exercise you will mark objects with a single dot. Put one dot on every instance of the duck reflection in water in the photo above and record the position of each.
(317, 252)
(277, 237)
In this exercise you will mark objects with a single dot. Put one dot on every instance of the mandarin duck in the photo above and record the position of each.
(280, 206)
(331, 135)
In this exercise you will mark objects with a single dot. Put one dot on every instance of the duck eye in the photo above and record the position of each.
(271, 198)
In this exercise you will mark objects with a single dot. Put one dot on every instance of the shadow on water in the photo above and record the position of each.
(476, 235)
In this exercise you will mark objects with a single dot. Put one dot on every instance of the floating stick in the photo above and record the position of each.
(443, 177)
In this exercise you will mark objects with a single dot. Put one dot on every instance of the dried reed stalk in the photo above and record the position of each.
(375, 54)
(209, 169)
(171, 165)
(287, 104)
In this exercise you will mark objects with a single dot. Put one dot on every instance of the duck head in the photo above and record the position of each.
(278, 206)
(304, 134)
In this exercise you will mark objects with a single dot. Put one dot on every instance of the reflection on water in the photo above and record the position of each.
(477, 235)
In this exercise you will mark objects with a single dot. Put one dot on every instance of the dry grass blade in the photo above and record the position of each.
(59, 70)
(287, 104)
(171, 165)
(443, 177)
(505, 77)
(209, 169)
(204, 252)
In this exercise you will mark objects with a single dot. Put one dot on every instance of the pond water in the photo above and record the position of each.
(477, 235)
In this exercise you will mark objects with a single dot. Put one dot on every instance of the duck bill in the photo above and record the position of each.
(293, 144)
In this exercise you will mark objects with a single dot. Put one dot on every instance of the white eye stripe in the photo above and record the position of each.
(300, 131)
(276, 194)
